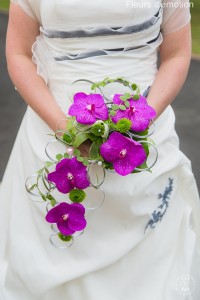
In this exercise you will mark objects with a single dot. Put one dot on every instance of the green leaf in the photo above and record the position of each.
(46, 170)
(128, 96)
(112, 126)
(151, 141)
(123, 98)
(79, 125)
(122, 107)
(71, 130)
(115, 107)
(67, 138)
(48, 164)
(66, 155)
(146, 148)
(102, 84)
(43, 197)
(70, 122)
(143, 166)
(51, 199)
(141, 133)
(76, 152)
(136, 96)
(59, 157)
(80, 138)
(108, 166)
(53, 202)
(94, 86)
(134, 87)
(112, 113)
(127, 104)
(80, 158)
(94, 151)
(86, 163)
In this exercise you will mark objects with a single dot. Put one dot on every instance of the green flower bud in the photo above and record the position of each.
(112, 126)
(95, 139)
(99, 141)
(92, 137)
(123, 125)
(64, 238)
(77, 195)
(98, 129)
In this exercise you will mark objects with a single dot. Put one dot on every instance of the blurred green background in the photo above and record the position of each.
(195, 11)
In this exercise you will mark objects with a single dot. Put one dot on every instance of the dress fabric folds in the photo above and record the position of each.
(144, 241)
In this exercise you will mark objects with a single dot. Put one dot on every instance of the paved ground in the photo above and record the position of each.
(186, 106)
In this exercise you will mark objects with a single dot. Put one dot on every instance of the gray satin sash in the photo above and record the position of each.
(101, 31)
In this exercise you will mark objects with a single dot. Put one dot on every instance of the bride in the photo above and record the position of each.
(125, 253)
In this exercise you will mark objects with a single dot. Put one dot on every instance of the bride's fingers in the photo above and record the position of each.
(84, 148)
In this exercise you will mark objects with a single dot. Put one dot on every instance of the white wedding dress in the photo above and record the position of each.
(131, 248)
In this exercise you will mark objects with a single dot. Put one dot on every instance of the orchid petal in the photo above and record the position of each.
(77, 224)
(77, 207)
(116, 99)
(101, 113)
(61, 182)
(85, 117)
(81, 180)
(80, 98)
(95, 99)
(120, 115)
(108, 152)
(123, 166)
(55, 214)
(139, 124)
(64, 228)
(75, 109)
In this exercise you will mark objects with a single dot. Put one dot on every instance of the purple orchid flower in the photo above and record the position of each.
(69, 174)
(139, 113)
(88, 108)
(68, 217)
(124, 153)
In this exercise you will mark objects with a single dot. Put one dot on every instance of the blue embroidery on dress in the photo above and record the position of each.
(158, 214)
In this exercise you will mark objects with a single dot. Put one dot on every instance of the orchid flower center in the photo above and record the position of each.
(90, 107)
(132, 109)
(65, 217)
(123, 153)
(70, 176)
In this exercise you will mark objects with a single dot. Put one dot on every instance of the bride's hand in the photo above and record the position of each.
(84, 148)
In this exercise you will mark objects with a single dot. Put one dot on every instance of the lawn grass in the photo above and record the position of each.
(195, 11)
(4, 4)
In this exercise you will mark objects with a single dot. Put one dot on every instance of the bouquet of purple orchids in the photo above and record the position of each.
(117, 128)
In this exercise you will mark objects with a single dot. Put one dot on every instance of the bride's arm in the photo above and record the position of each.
(21, 34)
(175, 55)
